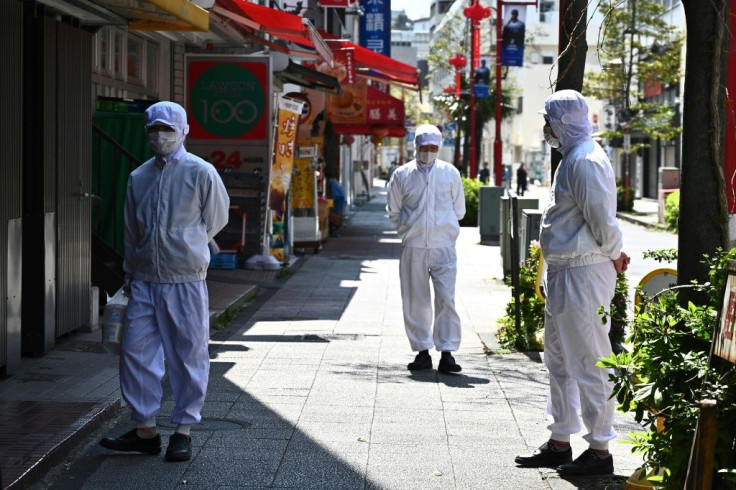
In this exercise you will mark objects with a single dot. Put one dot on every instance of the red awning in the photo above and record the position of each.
(259, 20)
(375, 65)
(393, 131)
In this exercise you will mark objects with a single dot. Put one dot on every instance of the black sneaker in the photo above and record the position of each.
(586, 464)
(448, 364)
(422, 361)
(545, 456)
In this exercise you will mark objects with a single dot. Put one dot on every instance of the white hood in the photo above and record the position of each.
(567, 113)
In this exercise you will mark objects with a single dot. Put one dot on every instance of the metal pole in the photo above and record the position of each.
(497, 145)
(473, 65)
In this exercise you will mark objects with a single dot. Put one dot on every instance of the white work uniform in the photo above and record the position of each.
(174, 206)
(425, 206)
(580, 238)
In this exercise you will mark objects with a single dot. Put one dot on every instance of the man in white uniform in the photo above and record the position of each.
(581, 243)
(175, 204)
(426, 201)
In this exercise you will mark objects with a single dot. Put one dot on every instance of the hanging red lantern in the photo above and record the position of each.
(348, 139)
(378, 132)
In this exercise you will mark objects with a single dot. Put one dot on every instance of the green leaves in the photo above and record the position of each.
(669, 371)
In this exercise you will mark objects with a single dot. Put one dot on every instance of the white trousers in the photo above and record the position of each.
(171, 321)
(417, 267)
(574, 340)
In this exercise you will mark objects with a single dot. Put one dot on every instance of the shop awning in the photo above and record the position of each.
(375, 65)
(307, 77)
(365, 129)
(160, 15)
(259, 21)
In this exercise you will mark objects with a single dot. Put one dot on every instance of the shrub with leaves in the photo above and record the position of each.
(621, 203)
(669, 371)
(672, 210)
(472, 191)
(532, 309)
(619, 314)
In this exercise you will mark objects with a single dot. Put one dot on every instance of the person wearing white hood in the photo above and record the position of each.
(426, 201)
(175, 204)
(581, 244)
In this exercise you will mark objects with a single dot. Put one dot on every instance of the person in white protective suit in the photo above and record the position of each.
(581, 243)
(175, 204)
(426, 201)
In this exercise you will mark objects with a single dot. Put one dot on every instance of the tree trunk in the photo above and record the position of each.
(573, 50)
(703, 204)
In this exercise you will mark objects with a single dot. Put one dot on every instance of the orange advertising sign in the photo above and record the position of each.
(284, 151)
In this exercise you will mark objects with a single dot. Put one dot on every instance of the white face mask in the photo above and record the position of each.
(164, 142)
(551, 140)
(426, 157)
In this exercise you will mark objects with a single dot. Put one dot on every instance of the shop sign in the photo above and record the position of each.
(375, 28)
(227, 103)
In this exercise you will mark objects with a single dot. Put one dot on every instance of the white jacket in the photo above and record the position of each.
(424, 207)
(172, 211)
(579, 225)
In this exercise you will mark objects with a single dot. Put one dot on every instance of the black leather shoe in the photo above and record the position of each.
(422, 361)
(180, 447)
(587, 464)
(544, 456)
(132, 443)
(448, 364)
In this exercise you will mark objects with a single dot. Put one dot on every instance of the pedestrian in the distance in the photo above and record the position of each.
(175, 204)
(426, 201)
(485, 174)
(521, 180)
(581, 243)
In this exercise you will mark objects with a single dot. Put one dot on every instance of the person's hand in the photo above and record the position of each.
(622, 263)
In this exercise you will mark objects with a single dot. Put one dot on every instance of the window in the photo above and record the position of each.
(117, 50)
(103, 52)
(548, 60)
(152, 72)
(124, 65)
(135, 59)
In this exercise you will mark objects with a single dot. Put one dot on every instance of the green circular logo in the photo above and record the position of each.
(227, 100)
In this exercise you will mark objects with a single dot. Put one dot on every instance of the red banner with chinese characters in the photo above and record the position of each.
(384, 109)
(284, 151)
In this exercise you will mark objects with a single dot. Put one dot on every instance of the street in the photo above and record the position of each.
(309, 387)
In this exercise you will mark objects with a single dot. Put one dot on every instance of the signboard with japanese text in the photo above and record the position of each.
(514, 28)
(227, 101)
(375, 26)
(284, 151)
(724, 342)
(349, 108)
(303, 179)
